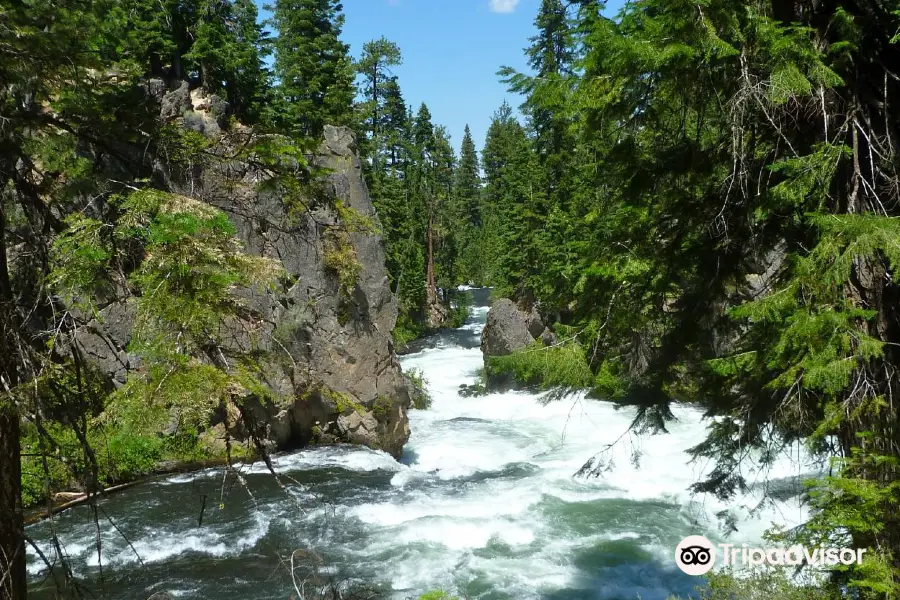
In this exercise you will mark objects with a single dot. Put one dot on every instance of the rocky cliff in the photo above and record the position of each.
(325, 345)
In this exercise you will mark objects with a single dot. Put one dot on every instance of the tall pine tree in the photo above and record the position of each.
(375, 64)
(468, 210)
(312, 67)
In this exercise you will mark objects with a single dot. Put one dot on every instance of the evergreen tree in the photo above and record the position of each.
(426, 195)
(512, 202)
(153, 36)
(395, 127)
(49, 54)
(375, 67)
(723, 238)
(312, 66)
(80, 143)
(468, 181)
(467, 209)
(448, 219)
(228, 48)
(551, 56)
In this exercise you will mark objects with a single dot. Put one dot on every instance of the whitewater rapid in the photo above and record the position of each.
(484, 503)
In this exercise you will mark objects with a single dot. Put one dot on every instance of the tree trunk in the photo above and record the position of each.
(13, 581)
(437, 314)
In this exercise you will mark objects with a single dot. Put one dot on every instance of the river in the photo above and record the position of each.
(484, 504)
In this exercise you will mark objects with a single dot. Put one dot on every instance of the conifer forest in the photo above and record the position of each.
(226, 238)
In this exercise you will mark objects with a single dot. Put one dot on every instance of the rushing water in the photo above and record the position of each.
(483, 503)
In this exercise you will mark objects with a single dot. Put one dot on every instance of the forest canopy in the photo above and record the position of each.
(702, 199)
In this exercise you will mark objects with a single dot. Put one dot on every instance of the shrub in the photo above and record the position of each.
(437, 595)
(133, 456)
(562, 365)
(406, 331)
(461, 306)
(421, 398)
(762, 585)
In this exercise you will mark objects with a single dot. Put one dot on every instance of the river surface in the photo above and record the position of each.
(484, 503)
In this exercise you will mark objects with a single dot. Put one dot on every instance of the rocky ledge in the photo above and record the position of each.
(326, 345)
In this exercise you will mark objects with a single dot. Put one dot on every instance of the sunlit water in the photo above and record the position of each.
(484, 503)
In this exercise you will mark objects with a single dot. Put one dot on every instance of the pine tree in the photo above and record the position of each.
(395, 126)
(312, 66)
(723, 238)
(468, 181)
(49, 57)
(375, 64)
(228, 49)
(551, 56)
(153, 36)
(80, 134)
(448, 219)
(426, 193)
(467, 210)
(512, 201)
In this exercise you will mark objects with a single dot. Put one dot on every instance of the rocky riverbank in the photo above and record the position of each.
(321, 343)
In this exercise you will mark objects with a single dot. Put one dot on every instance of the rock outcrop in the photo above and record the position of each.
(326, 345)
(509, 328)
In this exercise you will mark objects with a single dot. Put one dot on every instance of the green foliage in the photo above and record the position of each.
(343, 403)
(461, 309)
(134, 455)
(421, 397)
(380, 91)
(511, 207)
(428, 204)
(314, 71)
(82, 259)
(668, 200)
(762, 585)
(191, 265)
(340, 258)
(406, 330)
(38, 483)
(354, 221)
(183, 147)
(382, 407)
(229, 46)
(122, 455)
(437, 595)
(562, 365)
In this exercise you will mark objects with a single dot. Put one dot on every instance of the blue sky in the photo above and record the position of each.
(452, 50)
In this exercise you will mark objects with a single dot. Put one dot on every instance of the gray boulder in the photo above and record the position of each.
(510, 328)
(176, 102)
(507, 329)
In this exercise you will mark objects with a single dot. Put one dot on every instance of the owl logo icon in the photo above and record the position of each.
(695, 555)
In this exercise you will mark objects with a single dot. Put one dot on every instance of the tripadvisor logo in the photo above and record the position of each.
(696, 555)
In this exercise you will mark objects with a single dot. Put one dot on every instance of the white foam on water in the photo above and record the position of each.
(482, 503)
(342, 457)
(486, 490)
(461, 436)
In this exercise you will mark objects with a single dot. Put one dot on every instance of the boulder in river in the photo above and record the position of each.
(509, 329)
